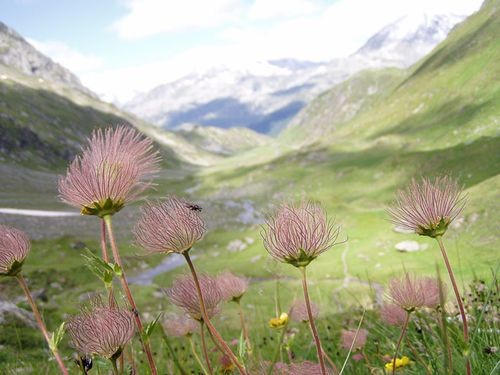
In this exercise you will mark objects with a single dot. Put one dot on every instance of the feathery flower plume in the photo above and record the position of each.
(298, 312)
(117, 165)
(298, 234)
(411, 293)
(101, 331)
(232, 287)
(348, 336)
(432, 288)
(170, 226)
(428, 207)
(183, 294)
(14, 247)
(407, 292)
(393, 314)
(306, 368)
(180, 325)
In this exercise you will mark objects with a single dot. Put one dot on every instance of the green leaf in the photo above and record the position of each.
(56, 337)
(148, 330)
(242, 347)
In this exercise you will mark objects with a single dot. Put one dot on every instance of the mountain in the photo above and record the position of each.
(409, 38)
(18, 54)
(265, 96)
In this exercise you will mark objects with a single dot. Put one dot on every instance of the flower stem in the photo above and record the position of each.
(206, 319)
(115, 367)
(459, 302)
(195, 355)
(172, 353)
(278, 349)
(417, 356)
(244, 327)
(403, 331)
(105, 257)
(128, 293)
(205, 351)
(319, 349)
(39, 321)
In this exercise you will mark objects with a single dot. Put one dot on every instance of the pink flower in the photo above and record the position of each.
(14, 247)
(232, 287)
(101, 331)
(298, 234)
(393, 314)
(431, 288)
(178, 326)
(298, 311)
(358, 357)
(411, 293)
(183, 294)
(117, 165)
(306, 368)
(428, 207)
(170, 226)
(347, 337)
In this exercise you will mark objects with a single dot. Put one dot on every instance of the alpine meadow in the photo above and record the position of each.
(300, 218)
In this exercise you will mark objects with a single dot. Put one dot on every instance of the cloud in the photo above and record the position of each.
(267, 9)
(150, 17)
(68, 57)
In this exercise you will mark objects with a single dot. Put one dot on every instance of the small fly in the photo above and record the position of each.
(194, 207)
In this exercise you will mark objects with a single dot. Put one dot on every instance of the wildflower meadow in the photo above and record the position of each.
(415, 324)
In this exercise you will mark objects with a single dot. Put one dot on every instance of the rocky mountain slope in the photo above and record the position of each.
(265, 96)
(18, 54)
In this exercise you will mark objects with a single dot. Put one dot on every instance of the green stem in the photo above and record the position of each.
(174, 356)
(207, 321)
(353, 342)
(195, 355)
(278, 349)
(115, 367)
(319, 349)
(204, 346)
(39, 321)
(417, 356)
(459, 302)
(403, 331)
(128, 293)
(244, 328)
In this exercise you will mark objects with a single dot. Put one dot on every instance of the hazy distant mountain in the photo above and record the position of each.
(265, 96)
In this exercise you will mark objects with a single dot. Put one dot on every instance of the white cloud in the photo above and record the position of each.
(266, 9)
(68, 57)
(150, 17)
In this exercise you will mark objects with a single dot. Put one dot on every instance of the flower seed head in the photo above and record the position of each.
(393, 315)
(180, 325)
(117, 165)
(306, 368)
(428, 207)
(101, 331)
(183, 294)
(298, 312)
(14, 247)
(169, 226)
(348, 337)
(298, 234)
(411, 293)
(232, 287)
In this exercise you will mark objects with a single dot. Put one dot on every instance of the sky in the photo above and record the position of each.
(119, 48)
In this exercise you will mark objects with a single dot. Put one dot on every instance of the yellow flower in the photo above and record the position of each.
(279, 322)
(400, 362)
